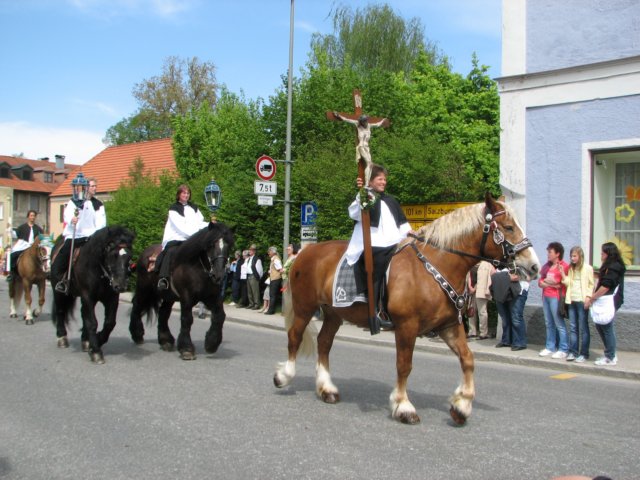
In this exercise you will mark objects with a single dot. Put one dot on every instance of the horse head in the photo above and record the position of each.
(117, 257)
(219, 241)
(504, 239)
(44, 247)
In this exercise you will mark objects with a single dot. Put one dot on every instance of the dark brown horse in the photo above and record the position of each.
(426, 284)
(31, 269)
(197, 270)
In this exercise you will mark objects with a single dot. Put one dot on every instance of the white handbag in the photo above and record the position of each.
(603, 309)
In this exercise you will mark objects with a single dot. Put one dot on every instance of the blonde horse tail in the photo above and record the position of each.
(308, 345)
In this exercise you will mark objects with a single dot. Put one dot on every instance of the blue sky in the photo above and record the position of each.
(70, 65)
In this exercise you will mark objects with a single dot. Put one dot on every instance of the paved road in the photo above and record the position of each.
(145, 414)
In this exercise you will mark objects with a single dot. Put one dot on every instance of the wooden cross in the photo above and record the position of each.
(362, 151)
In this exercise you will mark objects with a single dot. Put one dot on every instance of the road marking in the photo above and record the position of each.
(564, 376)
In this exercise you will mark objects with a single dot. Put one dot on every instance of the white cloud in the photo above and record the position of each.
(37, 141)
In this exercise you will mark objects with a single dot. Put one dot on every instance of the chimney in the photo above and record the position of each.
(44, 159)
(60, 162)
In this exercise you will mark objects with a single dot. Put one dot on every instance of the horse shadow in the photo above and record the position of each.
(373, 396)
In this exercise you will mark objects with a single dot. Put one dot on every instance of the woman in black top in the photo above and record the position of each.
(611, 276)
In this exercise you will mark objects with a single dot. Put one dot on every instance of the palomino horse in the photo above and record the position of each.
(197, 269)
(31, 269)
(99, 274)
(426, 284)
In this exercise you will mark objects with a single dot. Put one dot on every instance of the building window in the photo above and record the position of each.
(1, 211)
(61, 216)
(616, 205)
(34, 203)
(48, 177)
(27, 175)
(4, 171)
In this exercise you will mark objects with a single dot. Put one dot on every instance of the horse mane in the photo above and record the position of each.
(116, 234)
(202, 239)
(445, 231)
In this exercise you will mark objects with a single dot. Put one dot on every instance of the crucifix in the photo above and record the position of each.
(363, 157)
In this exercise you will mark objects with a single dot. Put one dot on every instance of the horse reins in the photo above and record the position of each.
(509, 252)
(106, 273)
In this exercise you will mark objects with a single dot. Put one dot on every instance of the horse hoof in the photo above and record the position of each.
(13, 315)
(409, 418)
(63, 342)
(97, 357)
(28, 321)
(457, 416)
(331, 398)
(138, 340)
(187, 355)
(167, 347)
(85, 346)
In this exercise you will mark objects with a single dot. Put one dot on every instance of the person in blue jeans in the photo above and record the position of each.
(610, 282)
(557, 344)
(514, 328)
(579, 285)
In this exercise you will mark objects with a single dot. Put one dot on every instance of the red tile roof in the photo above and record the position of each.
(37, 166)
(111, 166)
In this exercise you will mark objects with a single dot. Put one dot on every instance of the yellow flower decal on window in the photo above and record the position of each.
(624, 213)
(626, 250)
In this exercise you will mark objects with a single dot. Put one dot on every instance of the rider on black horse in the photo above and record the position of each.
(87, 221)
(184, 219)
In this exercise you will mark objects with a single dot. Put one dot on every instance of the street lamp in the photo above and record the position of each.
(80, 186)
(213, 195)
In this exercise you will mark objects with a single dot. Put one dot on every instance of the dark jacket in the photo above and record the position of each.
(502, 288)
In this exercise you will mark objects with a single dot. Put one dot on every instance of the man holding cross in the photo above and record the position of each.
(388, 226)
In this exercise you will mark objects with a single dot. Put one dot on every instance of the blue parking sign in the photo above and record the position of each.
(308, 213)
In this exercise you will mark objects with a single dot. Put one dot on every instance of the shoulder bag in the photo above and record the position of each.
(603, 309)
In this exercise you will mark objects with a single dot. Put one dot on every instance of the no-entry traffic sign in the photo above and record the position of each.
(266, 167)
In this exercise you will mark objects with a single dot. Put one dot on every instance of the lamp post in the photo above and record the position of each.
(213, 196)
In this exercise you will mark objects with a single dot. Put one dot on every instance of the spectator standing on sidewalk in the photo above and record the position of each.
(550, 282)
(244, 294)
(254, 275)
(579, 285)
(472, 280)
(234, 271)
(610, 282)
(483, 297)
(275, 279)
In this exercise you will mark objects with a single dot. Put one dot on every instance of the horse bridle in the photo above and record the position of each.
(509, 252)
(106, 271)
(212, 261)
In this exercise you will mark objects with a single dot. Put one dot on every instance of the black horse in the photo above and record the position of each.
(197, 269)
(99, 274)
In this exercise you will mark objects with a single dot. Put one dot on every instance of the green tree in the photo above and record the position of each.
(373, 38)
(183, 86)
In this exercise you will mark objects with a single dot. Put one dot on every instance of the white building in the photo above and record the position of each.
(570, 141)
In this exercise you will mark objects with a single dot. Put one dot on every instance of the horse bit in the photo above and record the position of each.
(509, 252)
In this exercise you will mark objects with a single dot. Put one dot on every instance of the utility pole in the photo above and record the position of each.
(287, 175)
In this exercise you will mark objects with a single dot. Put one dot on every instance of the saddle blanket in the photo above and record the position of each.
(344, 285)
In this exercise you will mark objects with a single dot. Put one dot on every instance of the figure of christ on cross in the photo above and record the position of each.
(363, 124)
(363, 157)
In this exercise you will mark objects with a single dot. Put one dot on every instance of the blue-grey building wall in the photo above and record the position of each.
(599, 30)
(554, 138)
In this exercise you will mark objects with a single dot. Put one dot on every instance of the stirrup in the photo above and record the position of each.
(62, 287)
(163, 284)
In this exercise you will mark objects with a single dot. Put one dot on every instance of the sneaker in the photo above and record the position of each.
(545, 353)
(559, 355)
(604, 361)
(571, 357)
(579, 359)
